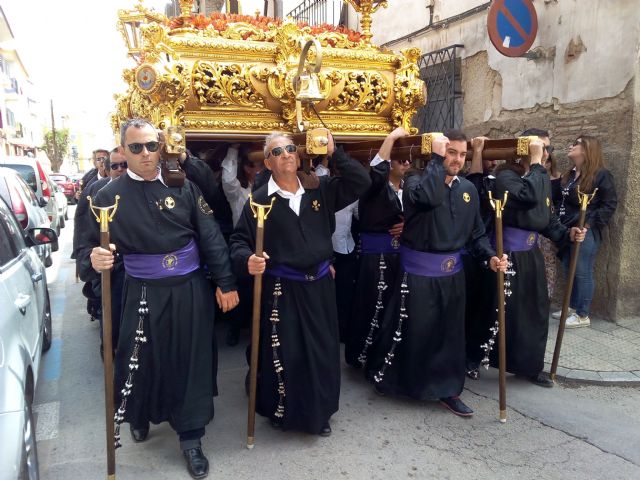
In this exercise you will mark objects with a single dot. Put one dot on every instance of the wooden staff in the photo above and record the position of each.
(585, 199)
(498, 205)
(104, 216)
(260, 212)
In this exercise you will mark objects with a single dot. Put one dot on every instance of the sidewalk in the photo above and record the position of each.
(604, 353)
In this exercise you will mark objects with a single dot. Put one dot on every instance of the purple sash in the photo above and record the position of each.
(162, 265)
(379, 243)
(292, 274)
(518, 240)
(428, 264)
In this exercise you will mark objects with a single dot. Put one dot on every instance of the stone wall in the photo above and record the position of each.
(609, 119)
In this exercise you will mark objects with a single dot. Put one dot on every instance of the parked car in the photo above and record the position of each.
(68, 187)
(25, 332)
(25, 206)
(31, 170)
(61, 201)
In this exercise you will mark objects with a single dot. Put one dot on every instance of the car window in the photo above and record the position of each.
(7, 251)
(11, 240)
(27, 173)
(28, 192)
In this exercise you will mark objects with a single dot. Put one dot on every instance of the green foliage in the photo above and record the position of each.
(62, 147)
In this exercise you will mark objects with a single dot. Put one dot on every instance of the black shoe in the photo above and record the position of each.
(233, 337)
(197, 463)
(541, 379)
(457, 406)
(139, 434)
(378, 389)
(276, 423)
(325, 431)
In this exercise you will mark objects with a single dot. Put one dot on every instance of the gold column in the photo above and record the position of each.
(366, 8)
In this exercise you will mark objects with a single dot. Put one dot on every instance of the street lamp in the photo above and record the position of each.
(129, 23)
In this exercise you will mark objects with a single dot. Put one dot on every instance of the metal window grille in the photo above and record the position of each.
(441, 72)
(317, 12)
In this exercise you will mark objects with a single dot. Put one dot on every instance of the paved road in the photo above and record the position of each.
(566, 433)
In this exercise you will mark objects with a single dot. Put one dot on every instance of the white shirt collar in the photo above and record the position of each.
(294, 198)
(138, 178)
(453, 181)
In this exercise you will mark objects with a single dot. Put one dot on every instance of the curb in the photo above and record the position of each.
(591, 377)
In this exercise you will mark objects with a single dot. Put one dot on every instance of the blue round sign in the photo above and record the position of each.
(512, 26)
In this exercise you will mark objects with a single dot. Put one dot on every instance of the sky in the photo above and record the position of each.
(75, 55)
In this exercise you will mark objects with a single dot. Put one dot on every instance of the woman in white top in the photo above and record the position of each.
(237, 182)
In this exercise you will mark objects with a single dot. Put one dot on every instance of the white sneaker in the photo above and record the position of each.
(558, 314)
(576, 321)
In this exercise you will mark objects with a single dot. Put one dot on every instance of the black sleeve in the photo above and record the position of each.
(479, 242)
(211, 243)
(557, 232)
(201, 174)
(522, 189)
(242, 242)
(352, 183)
(429, 191)
(379, 175)
(605, 201)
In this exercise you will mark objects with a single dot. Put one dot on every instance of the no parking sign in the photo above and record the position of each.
(512, 25)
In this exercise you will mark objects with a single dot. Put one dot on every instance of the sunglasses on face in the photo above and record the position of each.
(276, 152)
(117, 166)
(549, 149)
(136, 148)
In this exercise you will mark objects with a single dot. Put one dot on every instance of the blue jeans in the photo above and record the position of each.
(582, 292)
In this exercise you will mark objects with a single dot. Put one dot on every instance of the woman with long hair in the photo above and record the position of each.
(587, 173)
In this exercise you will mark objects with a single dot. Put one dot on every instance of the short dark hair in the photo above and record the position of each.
(538, 132)
(107, 165)
(133, 122)
(455, 135)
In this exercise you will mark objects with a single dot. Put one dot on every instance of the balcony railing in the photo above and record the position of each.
(317, 12)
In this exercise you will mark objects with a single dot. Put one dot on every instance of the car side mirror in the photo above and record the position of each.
(43, 202)
(42, 236)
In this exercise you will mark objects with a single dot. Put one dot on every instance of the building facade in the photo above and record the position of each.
(581, 75)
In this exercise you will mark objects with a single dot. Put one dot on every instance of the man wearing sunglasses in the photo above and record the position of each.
(98, 171)
(163, 235)
(299, 318)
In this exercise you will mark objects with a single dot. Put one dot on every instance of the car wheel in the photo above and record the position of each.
(47, 334)
(29, 469)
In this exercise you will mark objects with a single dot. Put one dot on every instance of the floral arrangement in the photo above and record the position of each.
(221, 21)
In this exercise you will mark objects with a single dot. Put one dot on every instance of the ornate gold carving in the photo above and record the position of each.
(409, 89)
(363, 92)
(522, 149)
(223, 85)
(237, 78)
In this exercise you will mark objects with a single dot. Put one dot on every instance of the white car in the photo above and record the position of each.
(61, 201)
(25, 332)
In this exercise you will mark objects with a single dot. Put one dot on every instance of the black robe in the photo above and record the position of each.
(480, 307)
(428, 356)
(308, 350)
(176, 379)
(527, 311)
(378, 210)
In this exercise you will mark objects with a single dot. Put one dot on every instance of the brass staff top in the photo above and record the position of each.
(105, 214)
(260, 211)
(497, 204)
(585, 198)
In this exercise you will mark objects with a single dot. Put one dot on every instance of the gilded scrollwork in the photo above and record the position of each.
(225, 84)
(362, 92)
(156, 42)
(409, 90)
